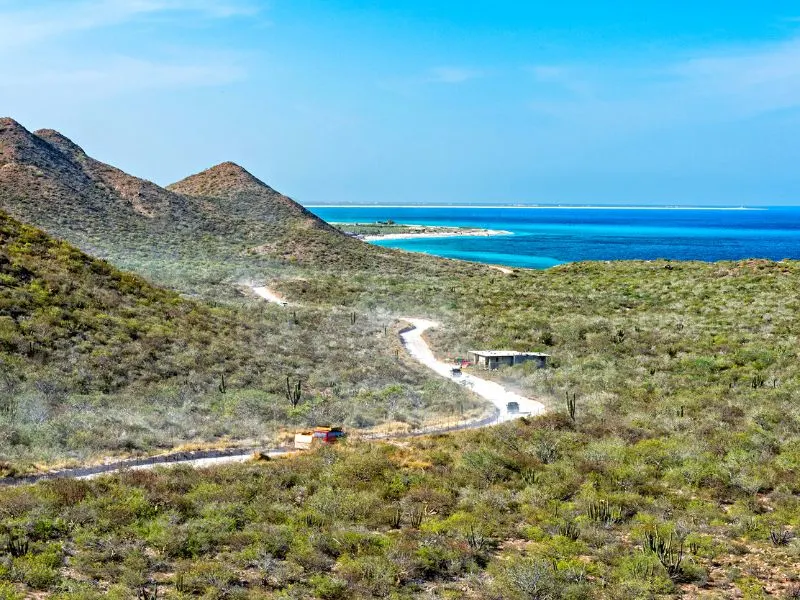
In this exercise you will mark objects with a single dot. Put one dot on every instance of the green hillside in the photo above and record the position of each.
(94, 361)
(546, 508)
(668, 465)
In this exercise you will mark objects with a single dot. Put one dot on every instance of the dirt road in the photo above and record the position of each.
(268, 295)
(493, 392)
(417, 347)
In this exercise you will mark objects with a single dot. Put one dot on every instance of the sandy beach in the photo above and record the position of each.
(439, 232)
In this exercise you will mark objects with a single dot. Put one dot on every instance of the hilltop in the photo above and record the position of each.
(232, 189)
(49, 181)
(201, 235)
(288, 231)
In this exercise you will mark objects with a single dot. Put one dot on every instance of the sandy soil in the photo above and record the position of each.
(493, 392)
(505, 270)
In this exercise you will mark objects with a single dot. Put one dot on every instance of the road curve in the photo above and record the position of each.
(416, 346)
(493, 392)
(267, 294)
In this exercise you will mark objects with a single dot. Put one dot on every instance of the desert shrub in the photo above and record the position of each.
(40, 571)
(329, 588)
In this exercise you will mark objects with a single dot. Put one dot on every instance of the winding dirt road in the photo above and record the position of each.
(417, 348)
(493, 392)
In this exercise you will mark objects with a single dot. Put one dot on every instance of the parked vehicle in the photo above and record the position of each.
(512, 408)
(455, 371)
(307, 440)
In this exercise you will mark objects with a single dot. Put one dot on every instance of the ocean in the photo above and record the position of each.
(546, 236)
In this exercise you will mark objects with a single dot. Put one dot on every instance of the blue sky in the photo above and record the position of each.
(340, 101)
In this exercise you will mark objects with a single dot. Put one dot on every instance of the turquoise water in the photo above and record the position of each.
(544, 237)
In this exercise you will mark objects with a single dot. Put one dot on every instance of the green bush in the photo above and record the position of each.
(329, 588)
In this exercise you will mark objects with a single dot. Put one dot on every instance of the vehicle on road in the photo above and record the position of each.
(319, 436)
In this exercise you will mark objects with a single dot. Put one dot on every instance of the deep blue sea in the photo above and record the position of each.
(544, 237)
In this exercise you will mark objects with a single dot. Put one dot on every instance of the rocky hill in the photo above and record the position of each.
(232, 189)
(49, 181)
(230, 193)
(201, 235)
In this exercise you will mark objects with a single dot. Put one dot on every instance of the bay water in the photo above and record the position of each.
(542, 237)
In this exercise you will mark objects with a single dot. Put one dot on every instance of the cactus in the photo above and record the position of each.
(146, 592)
(668, 550)
(397, 516)
(352, 318)
(417, 514)
(222, 387)
(569, 529)
(571, 405)
(601, 511)
(294, 392)
(529, 476)
(180, 583)
(779, 537)
(476, 539)
(16, 545)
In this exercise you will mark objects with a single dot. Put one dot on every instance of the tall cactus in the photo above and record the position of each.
(571, 404)
(294, 393)
(668, 550)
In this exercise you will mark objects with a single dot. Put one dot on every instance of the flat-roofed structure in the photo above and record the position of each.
(494, 359)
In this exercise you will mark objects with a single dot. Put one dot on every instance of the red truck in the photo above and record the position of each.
(320, 435)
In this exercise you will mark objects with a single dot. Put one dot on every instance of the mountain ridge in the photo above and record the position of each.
(51, 182)
(202, 235)
(245, 195)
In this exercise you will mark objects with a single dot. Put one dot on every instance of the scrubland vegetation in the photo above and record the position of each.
(678, 475)
(95, 362)
(668, 465)
(546, 508)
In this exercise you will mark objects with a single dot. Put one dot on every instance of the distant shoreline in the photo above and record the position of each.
(544, 207)
(436, 234)
(372, 232)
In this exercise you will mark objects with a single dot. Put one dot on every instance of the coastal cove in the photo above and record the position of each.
(547, 236)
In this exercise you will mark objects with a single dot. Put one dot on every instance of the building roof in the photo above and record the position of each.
(505, 353)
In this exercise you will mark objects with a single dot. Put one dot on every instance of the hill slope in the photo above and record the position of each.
(228, 192)
(202, 235)
(94, 361)
(49, 181)
(232, 189)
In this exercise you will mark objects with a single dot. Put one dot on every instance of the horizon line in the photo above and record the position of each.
(550, 206)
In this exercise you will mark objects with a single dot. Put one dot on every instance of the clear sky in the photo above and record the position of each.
(574, 101)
